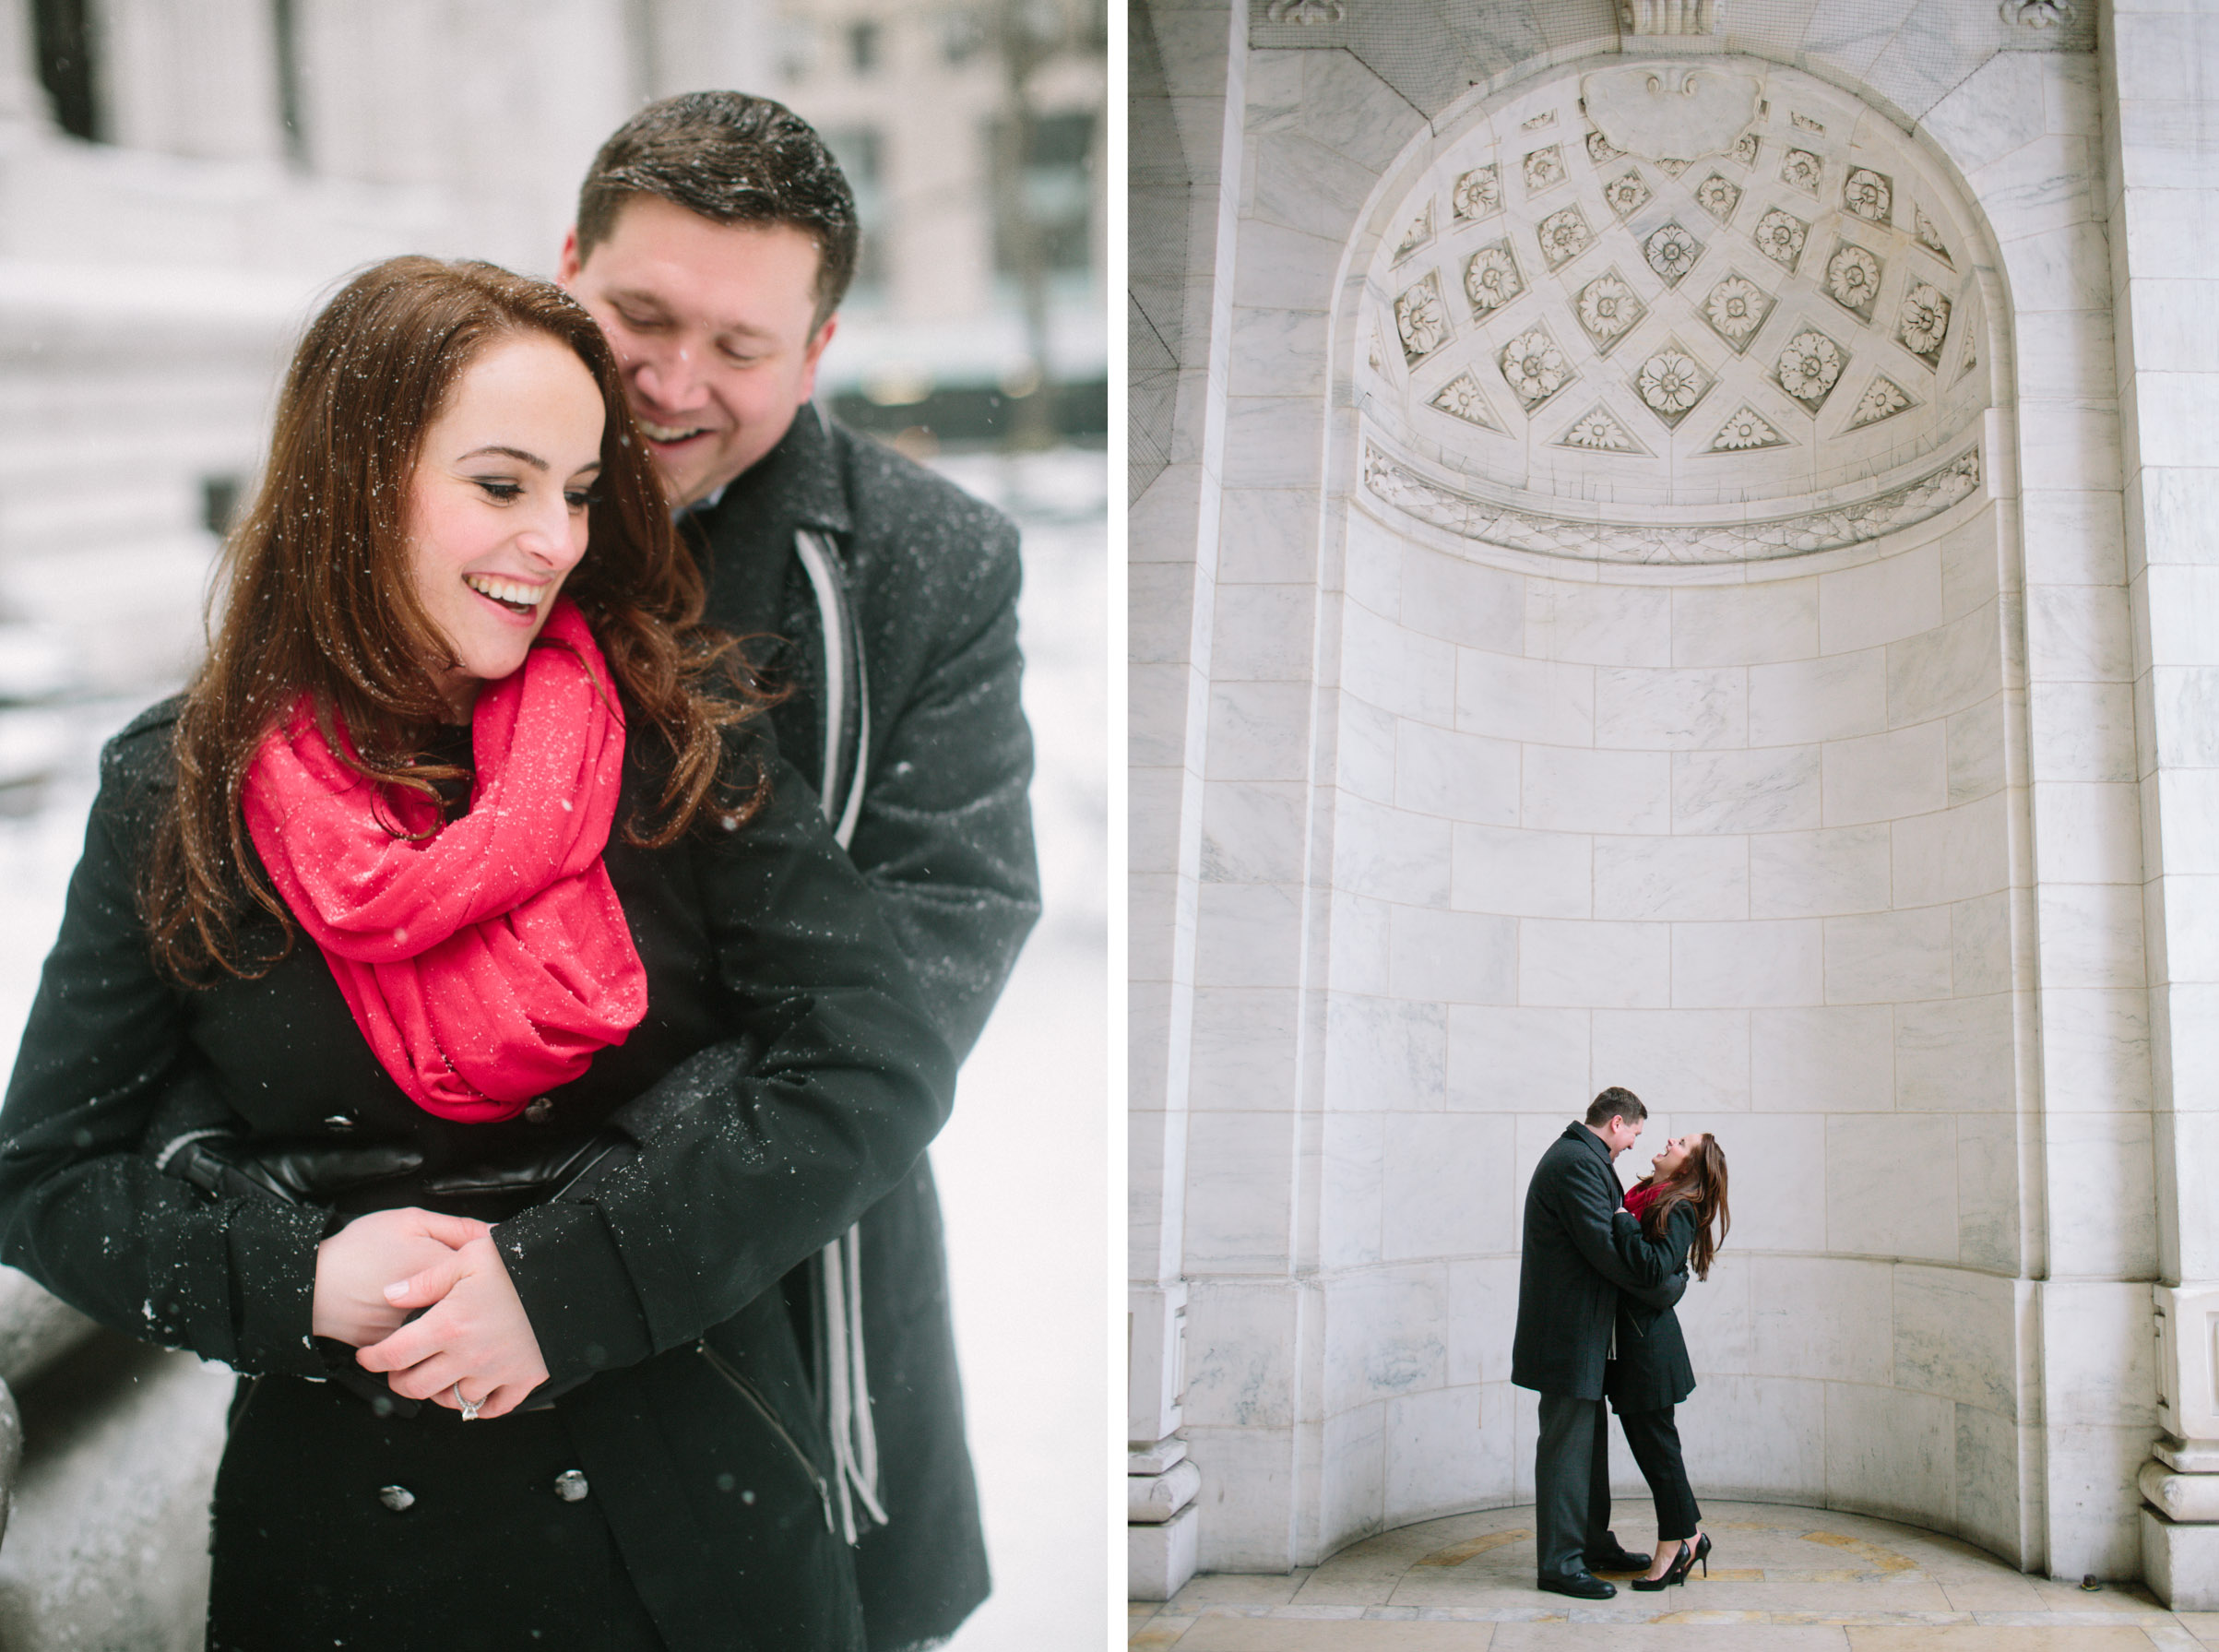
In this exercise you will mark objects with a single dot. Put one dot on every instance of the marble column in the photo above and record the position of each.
(1173, 547)
(2161, 88)
(22, 99)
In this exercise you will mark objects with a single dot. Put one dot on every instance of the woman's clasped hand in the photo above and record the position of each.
(428, 1302)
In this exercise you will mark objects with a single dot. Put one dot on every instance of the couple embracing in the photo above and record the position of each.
(505, 998)
(1600, 1274)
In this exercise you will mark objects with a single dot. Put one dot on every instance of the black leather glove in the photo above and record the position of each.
(562, 1169)
(295, 1172)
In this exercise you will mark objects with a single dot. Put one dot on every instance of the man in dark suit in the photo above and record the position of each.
(715, 240)
(1575, 1263)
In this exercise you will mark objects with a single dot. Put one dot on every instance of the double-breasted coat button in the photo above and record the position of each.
(570, 1485)
(399, 1499)
(539, 1112)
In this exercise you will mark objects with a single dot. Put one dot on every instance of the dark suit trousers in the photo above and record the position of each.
(1654, 1442)
(1571, 1483)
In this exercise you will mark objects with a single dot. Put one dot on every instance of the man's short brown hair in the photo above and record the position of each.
(734, 159)
(1615, 1103)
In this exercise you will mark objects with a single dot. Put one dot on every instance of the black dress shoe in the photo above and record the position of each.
(1580, 1585)
(1615, 1557)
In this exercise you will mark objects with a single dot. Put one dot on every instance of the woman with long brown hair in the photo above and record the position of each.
(1680, 1210)
(459, 1025)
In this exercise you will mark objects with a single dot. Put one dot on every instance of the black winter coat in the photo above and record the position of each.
(1652, 1370)
(1575, 1262)
(945, 839)
(785, 1077)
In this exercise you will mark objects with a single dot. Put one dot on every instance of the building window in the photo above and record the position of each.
(1055, 185)
(285, 32)
(64, 30)
(859, 150)
(961, 35)
(863, 47)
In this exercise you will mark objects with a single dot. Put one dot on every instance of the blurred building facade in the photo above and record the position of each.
(180, 186)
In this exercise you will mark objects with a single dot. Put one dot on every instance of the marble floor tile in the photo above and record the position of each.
(1780, 1577)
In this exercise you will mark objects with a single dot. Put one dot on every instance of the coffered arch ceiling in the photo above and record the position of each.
(1674, 313)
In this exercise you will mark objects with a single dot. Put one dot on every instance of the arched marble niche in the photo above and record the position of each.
(1680, 312)
(1673, 713)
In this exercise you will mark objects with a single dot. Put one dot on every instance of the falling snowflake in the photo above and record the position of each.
(1609, 309)
(1718, 197)
(1492, 278)
(1780, 237)
(1808, 367)
(1736, 307)
(1925, 318)
(1671, 253)
(1745, 432)
(1422, 320)
(1626, 196)
(1564, 235)
(1478, 194)
(1534, 367)
(1868, 194)
(1801, 169)
(1853, 279)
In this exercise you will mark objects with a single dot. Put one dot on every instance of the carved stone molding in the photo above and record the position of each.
(1802, 534)
(2188, 1370)
(1668, 112)
(1669, 16)
(2039, 14)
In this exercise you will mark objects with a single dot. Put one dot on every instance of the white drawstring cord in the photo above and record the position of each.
(840, 1264)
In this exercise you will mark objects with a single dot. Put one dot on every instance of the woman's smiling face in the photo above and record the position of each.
(497, 509)
(1670, 1162)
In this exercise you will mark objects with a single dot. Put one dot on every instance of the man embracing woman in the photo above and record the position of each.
(1599, 1277)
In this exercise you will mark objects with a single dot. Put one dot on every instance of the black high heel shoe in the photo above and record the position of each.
(1703, 1551)
(1682, 1564)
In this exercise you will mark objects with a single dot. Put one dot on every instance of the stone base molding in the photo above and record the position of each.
(1159, 1558)
(2180, 1561)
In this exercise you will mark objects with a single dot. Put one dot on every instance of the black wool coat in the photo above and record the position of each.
(1652, 1370)
(1574, 1262)
(785, 1078)
(944, 840)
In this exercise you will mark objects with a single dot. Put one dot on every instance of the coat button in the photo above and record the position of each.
(539, 1113)
(338, 1121)
(570, 1485)
(399, 1499)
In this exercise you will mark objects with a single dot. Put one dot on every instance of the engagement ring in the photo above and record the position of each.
(469, 1410)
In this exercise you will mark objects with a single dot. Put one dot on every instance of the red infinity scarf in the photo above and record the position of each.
(487, 963)
(1639, 1198)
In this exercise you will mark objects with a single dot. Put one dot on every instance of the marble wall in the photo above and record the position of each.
(1842, 857)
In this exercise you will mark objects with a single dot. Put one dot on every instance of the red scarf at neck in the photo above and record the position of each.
(487, 962)
(1639, 1199)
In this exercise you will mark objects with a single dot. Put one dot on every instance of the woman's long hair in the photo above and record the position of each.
(1701, 1183)
(316, 596)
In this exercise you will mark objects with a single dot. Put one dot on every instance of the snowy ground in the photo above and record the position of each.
(1021, 1166)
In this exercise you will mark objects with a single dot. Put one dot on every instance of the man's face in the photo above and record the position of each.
(711, 326)
(1620, 1134)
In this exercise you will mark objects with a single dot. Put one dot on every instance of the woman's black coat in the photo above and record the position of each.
(1651, 1368)
(785, 1077)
